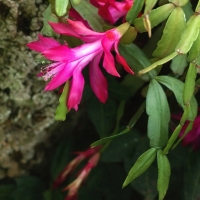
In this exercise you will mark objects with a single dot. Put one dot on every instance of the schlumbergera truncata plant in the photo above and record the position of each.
(137, 56)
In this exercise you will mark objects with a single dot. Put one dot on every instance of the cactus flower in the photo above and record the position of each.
(112, 10)
(75, 185)
(68, 63)
(73, 164)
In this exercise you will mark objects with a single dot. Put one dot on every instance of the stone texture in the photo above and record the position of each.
(26, 112)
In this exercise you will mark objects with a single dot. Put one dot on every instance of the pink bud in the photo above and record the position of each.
(73, 164)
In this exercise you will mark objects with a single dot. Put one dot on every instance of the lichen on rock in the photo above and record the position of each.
(27, 112)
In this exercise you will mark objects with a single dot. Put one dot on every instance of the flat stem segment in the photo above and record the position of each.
(160, 62)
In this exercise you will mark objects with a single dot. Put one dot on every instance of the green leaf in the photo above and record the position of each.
(141, 165)
(179, 2)
(137, 60)
(159, 115)
(62, 109)
(102, 115)
(198, 63)
(134, 11)
(197, 9)
(176, 86)
(149, 4)
(109, 139)
(164, 172)
(193, 109)
(61, 7)
(188, 10)
(129, 36)
(156, 17)
(75, 2)
(189, 85)
(171, 35)
(195, 50)
(157, 63)
(90, 14)
(48, 17)
(145, 183)
(189, 35)
(178, 64)
(28, 188)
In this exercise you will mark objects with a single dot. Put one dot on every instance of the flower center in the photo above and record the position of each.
(113, 35)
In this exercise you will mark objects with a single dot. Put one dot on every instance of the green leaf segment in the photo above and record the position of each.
(62, 109)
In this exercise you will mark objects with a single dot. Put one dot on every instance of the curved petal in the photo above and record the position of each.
(43, 43)
(98, 82)
(81, 29)
(75, 15)
(62, 76)
(122, 61)
(66, 54)
(87, 49)
(78, 82)
(116, 13)
(108, 61)
(61, 53)
(64, 29)
(76, 29)
(111, 10)
(95, 3)
(76, 89)
(90, 38)
(106, 13)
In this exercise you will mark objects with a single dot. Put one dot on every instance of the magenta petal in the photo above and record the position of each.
(98, 82)
(108, 61)
(112, 10)
(81, 29)
(85, 34)
(86, 50)
(43, 43)
(64, 29)
(76, 89)
(76, 29)
(122, 61)
(62, 54)
(95, 3)
(75, 15)
(61, 77)
(106, 12)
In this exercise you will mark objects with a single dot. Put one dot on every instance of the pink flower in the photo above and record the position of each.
(44, 43)
(112, 10)
(69, 62)
(75, 185)
(76, 16)
(73, 164)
